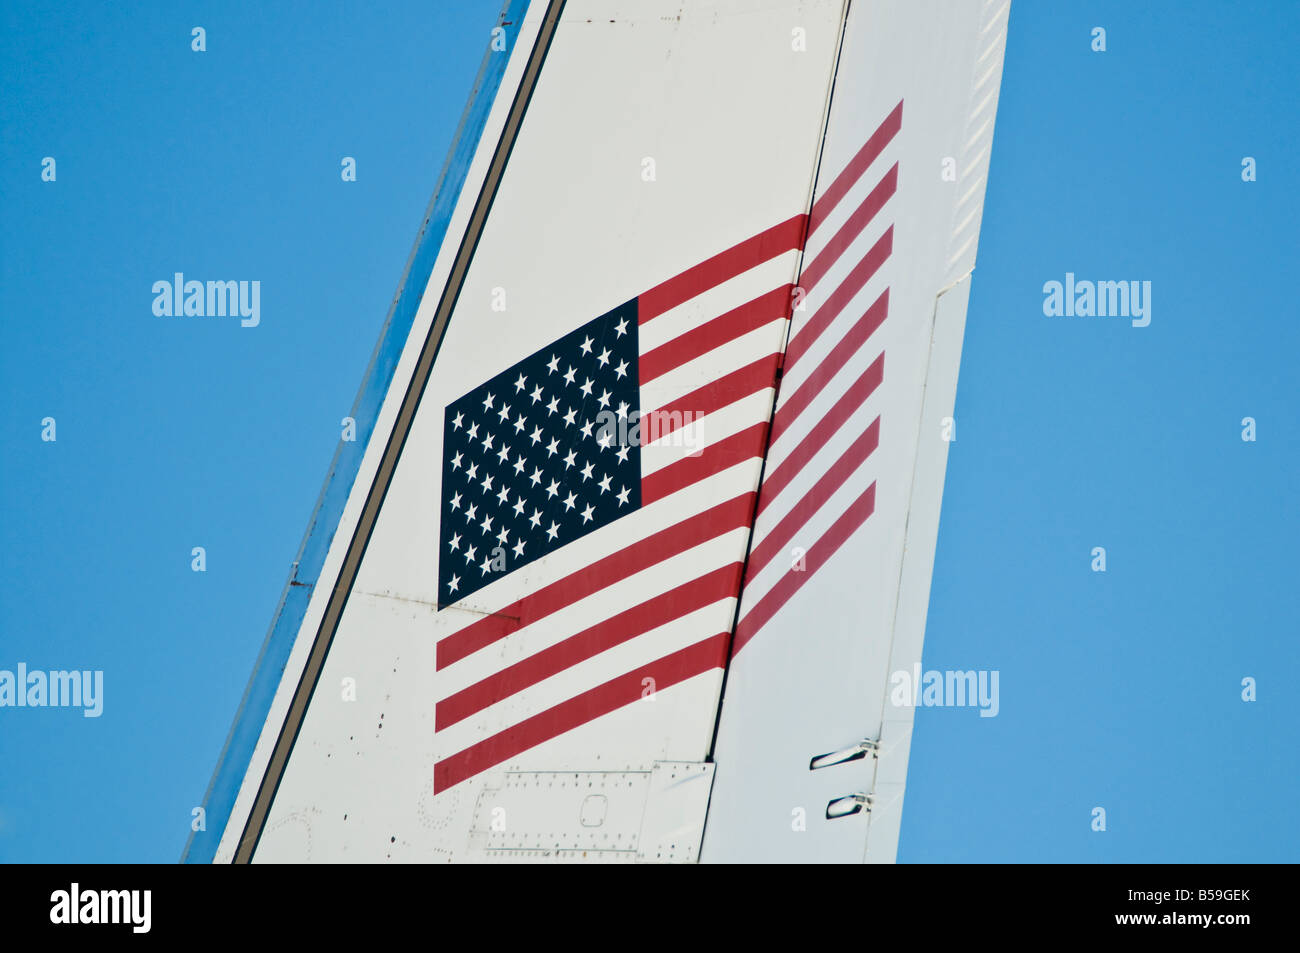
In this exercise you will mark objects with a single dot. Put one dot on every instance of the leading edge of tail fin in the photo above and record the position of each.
(349, 466)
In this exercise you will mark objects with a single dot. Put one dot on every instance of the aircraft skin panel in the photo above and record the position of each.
(838, 577)
(600, 657)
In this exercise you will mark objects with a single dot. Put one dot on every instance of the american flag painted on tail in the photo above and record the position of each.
(560, 476)
(627, 453)
(803, 517)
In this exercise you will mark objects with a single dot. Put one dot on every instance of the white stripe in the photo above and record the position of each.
(817, 524)
(586, 675)
(669, 389)
(598, 607)
(718, 300)
(853, 309)
(853, 198)
(708, 430)
(820, 405)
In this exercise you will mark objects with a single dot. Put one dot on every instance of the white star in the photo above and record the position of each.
(586, 387)
(472, 472)
(455, 502)
(552, 531)
(568, 460)
(536, 435)
(536, 395)
(519, 384)
(519, 548)
(586, 346)
(569, 417)
(603, 357)
(586, 514)
(550, 490)
(604, 399)
(504, 496)
(487, 565)
(553, 406)
(552, 447)
(503, 537)
(458, 420)
(537, 476)
(621, 453)
(621, 327)
(604, 440)
(469, 513)
(554, 364)
(455, 461)
(519, 424)
(487, 524)
(519, 506)
(568, 376)
(487, 443)
(487, 483)
(622, 408)
(487, 402)
(586, 428)
(519, 464)
(568, 504)
(621, 369)
(622, 495)
(469, 555)
(453, 583)
(504, 413)
(604, 483)
(454, 542)
(535, 518)
(504, 454)
(586, 473)
(472, 432)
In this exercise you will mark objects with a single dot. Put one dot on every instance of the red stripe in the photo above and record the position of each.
(713, 522)
(817, 556)
(746, 445)
(831, 365)
(577, 711)
(850, 230)
(803, 337)
(727, 327)
(860, 163)
(844, 408)
(722, 583)
(777, 240)
(749, 379)
(797, 518)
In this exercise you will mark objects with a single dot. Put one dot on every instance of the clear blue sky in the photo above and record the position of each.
(1119, 690)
